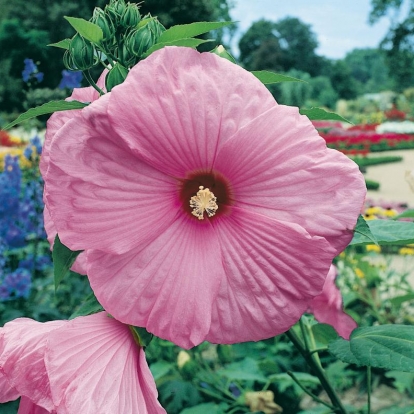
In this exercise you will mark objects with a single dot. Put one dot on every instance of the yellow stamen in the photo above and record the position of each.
(204, 200)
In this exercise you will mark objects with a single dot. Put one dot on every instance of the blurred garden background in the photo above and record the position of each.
(372, 87)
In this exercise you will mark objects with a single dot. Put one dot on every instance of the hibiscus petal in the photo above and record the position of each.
(273, 270)
(97, 188)
(22, 358)
(327, 307)
(27, 406)
(280, 167)
(178, 106)
(7, 392)
(60, 118)
(167, 287)
(95, 366)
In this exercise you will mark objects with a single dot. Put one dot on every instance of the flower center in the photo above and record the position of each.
(203, 201)
(205, 195)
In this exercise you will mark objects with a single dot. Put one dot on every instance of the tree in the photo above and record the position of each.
(369, 69)
(282, 45)
(260, 48)
(399, 41)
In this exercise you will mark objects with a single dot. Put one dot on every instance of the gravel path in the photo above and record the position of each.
(393, 186)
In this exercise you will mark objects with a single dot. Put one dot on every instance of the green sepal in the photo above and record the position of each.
(63, 44)
(63, 259)
(88, 30)
(47, 108)
(268, 77)
(115, 76)
(184, 31)
(319, 114)
(141, 335)
(88, 307)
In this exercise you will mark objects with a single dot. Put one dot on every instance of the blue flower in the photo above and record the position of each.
(30, 70)
(17, 284)
(70, 79)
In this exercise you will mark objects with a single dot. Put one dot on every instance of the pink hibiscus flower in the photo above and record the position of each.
(55, 122)
(327, 307)
(90, 364)
(207, 210)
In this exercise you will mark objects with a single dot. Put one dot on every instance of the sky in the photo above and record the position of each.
(340, 25)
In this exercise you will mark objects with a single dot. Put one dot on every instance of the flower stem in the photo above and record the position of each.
(92, 82)
(317, 369)
(293, 376)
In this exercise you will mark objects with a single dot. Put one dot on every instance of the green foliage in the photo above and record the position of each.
(46, 108)
(386, 346)
(321, 114)
(63, 259)
(279, 46)
(384, 232)
(368, 69)
(398, 43)
(267, 77)
(369, 161)
(89, 306)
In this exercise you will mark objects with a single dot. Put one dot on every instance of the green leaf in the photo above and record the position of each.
(387, 232)
(268, 77)
(160, 369)
(245, 370)
(386, 346)
(319, 114)
(188, 42)
(88, 307)
(341, 349)
(324, 333)
(222, 52)
(398, 300)
(210, 408)
(184, 31)
(90, 31)
(47, 108)
(144, 337)
(63, 259)
(63, 44)
(406, 213)
(364, 231)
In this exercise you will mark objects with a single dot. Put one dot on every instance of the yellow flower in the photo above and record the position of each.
(406, 251)
(369, 217)
(359, 273)
(372, 211)
(373, 248)
(390, 212)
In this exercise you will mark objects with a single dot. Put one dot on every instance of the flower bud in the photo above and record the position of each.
(131, 16)
(82, 53)
(115, 9)
(187, 366)
(225, 353)
(155, 26)
(104, 22)
(140, 40)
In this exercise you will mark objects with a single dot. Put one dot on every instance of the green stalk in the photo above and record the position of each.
(317, 369)
(92, 82)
